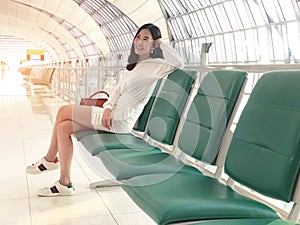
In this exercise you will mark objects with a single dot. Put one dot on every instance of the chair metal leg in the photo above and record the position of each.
(105, 183)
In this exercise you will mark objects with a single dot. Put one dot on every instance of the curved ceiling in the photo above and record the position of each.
(44, 23)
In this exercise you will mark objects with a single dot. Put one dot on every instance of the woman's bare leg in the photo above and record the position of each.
(70, 118)
(65, 148)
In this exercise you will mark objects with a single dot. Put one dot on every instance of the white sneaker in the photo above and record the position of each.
(57, 189)
(42, 166)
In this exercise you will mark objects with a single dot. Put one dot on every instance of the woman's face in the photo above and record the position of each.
(143, 44)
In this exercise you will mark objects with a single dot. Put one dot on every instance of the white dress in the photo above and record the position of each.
(134, 90)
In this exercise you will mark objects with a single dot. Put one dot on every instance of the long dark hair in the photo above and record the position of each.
(156, 53)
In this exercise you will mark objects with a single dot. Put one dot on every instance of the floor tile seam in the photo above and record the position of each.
(27, 182)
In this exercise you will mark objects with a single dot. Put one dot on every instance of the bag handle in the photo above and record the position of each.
(99, 92)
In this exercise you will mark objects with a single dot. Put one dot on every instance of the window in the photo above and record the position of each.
(241, 31)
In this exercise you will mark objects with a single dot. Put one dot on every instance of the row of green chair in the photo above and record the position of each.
(132, 153)
(157, 123)
(209, 113)
(264, 156)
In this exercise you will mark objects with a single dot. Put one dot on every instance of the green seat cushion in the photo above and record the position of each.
(97, 141)
(80, 134)
(246, 222)
(127, 163)
(128, 153)
(179, 197)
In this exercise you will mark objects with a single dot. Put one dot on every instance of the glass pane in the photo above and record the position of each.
(129, 40)
(211, 57)
(287, 10)
(76, 33)
(197, 30)
(98, 18)
(234, 15)
(239, 40)
(105, 16)
(223, 18)
(170, 9)
(189, 51)
(214, 20)
(255, 12)
(271, 12)
(196, 51)
(94, 50)
(293, 40)
(84, 40)
(230, 47)
(220, 45)
(204, 22)
(264, 44)
(190, 5)
(244, 15)
(206, 3)
(278, 47)
(175, 30)
(190, 30)
(71, 54)
(251, 43)
(179, 46)
(166, 9)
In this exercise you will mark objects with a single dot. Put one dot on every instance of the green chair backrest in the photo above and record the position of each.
(140, 124)
(169, 105)
(210, 113)
(264, 154)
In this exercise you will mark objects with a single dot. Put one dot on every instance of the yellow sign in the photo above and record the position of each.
(35, 52)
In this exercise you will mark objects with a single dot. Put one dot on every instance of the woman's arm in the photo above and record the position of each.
(106, 119)
(170, 55)
(109, 104)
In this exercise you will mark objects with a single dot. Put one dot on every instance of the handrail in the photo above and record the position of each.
(72, 83)
(250, 68)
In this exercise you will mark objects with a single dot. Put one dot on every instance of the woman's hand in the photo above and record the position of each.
(158, 42)
(107, 119)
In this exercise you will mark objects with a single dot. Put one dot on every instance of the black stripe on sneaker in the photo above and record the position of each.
(54, 189)
(42, 167)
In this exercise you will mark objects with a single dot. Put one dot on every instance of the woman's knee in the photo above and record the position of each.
(64, 113)
(64, 128)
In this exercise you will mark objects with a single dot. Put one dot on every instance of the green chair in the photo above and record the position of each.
(201, 135)
(140, 124)
(168, 106)
(264, 155)
(115, 140)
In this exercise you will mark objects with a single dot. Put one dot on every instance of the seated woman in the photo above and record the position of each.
(150, 59)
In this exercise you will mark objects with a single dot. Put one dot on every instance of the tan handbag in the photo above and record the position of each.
(94, 101)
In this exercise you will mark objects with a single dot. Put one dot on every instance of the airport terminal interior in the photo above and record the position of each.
(56, 52)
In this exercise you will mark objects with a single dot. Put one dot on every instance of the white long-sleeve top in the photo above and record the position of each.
(133, 91)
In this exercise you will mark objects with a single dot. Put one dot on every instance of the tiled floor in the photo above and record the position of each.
(26, 123)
